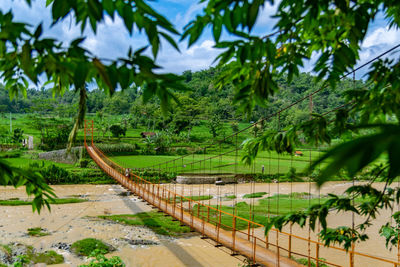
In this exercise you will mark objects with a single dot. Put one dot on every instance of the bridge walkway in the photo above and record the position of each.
(158, 197)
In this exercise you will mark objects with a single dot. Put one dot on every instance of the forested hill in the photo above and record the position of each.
(202, 101)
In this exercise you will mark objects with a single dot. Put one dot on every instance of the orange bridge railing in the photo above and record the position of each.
(275, 249)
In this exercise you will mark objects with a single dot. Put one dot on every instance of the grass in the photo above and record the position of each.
(195, 198)
(275, 205)
(255, 195)
(201, 137)
(227, 163)
(6, 248)
(57, 201)
(158, 222)
(48, 257)
(230, 197)
(86, 246)
(24, 161)
(37, 231)
(305, 262)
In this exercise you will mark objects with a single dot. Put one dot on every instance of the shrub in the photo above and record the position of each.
(235, 127)
(133, 122)
(27, 256)
(86, 246)
(48, 257)
(55, 136)
(37, 231)
(11, 154)
(117, 130)
(155, 177)
(56, 175)
(17, 135)
(92, 165)
(83, 163)
(199, 150)
(101, 261)
(292, 175)
(255, 195)
(181, 151)
(312, 263)
(119, 149)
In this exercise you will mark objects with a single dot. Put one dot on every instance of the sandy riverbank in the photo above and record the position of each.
(70, 222)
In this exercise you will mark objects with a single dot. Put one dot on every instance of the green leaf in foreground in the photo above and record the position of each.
(34, 184)
(356, 154)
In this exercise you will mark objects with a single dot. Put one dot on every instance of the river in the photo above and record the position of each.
(70, 222)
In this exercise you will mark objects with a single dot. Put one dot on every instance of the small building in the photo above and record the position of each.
(298, 153)
(147, 134)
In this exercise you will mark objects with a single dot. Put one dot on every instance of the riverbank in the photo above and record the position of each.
(139, 246)
(136, 245)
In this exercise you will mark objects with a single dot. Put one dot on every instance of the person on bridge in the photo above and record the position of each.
(128, 173)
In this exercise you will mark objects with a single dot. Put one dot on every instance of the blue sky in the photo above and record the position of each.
(112, 40)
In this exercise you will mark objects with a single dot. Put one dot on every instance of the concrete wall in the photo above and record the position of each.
(62, 156)
(205, 179)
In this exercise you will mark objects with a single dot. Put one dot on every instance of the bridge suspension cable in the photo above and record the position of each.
(240, 225)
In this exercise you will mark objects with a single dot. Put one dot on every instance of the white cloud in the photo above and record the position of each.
(111, 40)
(382, 36)
(193, 10)
(377, 41)
(205, 46)
(265, 16)
(197, 57)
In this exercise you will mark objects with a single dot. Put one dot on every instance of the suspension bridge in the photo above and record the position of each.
(242, 233)
(275, 249)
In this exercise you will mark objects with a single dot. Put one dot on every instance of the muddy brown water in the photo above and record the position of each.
(70, 222)
(375, 246)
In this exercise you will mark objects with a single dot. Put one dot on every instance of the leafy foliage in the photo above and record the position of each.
(37, 231)
(391, 233)
(334, 31)
(101, 261)
(26, 53)
(252, 66)
(54, 174)
(47, 257)
(117, 130)
(86, 246)
(17, 135)
(34, 184)
(215, 125)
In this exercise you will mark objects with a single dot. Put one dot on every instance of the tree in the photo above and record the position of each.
(334, 31)
(27, 52)
(235, 126)
(17, 135)
(215, 125)
(252, 65)
(117, 130)
(54, 132)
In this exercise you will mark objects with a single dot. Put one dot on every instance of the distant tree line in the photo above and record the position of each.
(202, 101)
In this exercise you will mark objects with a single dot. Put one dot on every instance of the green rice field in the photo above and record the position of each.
(213, 163)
